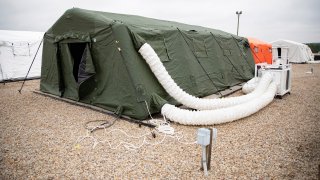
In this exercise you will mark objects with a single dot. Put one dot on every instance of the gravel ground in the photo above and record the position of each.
(38, 137)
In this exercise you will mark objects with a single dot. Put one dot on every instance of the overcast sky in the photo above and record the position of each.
(297, 20)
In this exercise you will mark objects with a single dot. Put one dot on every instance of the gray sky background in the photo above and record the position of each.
(297, 20)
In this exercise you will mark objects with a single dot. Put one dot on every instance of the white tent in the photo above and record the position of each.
(17, 50)
(295, 52)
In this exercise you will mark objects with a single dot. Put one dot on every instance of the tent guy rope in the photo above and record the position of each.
(24, 80)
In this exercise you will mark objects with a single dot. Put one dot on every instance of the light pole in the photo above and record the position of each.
(238, 13)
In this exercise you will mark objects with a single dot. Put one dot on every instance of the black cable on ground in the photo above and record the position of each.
(104, 124)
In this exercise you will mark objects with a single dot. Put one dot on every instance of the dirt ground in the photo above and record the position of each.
(41, 138)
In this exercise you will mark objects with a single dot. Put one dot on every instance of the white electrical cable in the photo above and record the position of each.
(218, 116)
(188, 100)
(161, 125)
(128, 144)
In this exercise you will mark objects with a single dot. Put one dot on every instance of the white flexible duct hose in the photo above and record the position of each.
(218, 116)
(249, 86)
(188, 100)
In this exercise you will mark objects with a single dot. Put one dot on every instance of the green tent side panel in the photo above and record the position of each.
(177, 58)
(92, 57)
(49, 81)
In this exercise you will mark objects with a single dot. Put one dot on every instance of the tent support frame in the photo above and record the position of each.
(25, 78)
(95, 108)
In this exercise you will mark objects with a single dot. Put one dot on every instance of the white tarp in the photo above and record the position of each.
(297, 52)
(17, 50)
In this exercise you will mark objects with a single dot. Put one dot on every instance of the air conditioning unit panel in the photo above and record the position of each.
(281, 75)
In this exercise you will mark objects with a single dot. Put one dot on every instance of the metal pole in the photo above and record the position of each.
(238, 14)
(25, 78)
(209, 150)
(238, 25)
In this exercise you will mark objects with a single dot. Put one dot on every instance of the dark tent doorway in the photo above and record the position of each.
(77, 52)
(279, 52)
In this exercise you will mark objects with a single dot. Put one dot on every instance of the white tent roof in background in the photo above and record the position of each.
(7, 35)
(17, 50)
(297, 52)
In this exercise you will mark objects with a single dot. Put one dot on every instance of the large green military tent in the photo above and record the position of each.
(92, 57)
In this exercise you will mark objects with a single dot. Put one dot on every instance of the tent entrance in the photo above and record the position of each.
(77, 52)
(279, 52)
(77, 70)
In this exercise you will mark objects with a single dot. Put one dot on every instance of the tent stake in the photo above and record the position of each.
(25, 78)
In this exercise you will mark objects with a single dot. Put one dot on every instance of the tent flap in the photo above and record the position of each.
(70, 36)
(86, 66)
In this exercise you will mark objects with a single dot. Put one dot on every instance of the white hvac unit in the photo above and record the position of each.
(281, 75)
